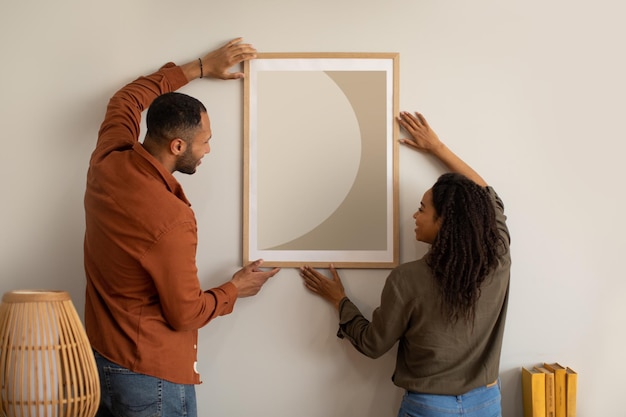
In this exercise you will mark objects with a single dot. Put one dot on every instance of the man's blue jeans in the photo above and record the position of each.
(128, 394)
(479, 402)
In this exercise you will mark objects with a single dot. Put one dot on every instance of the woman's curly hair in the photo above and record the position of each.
(467, 246)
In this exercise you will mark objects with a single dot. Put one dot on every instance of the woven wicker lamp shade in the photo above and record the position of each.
(47, 367)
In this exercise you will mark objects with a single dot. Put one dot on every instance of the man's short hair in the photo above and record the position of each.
(173, 115)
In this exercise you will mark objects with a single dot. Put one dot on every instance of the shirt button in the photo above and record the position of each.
(195, 367)
(195, 347)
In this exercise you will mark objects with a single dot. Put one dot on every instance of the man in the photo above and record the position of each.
(144, 304)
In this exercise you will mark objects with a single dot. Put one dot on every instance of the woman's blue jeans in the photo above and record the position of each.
(479, 402)
(124, 393)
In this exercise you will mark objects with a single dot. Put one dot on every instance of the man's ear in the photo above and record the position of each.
(178, 146)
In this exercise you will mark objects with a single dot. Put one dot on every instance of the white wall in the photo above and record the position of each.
(530, 93)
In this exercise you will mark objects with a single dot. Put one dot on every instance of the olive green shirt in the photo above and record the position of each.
(434, 356)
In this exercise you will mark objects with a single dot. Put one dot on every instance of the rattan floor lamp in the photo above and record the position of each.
(47, 367)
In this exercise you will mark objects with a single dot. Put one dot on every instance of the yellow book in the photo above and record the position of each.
(534, 393)
(550, 393)
(571, 384)
(560, 408)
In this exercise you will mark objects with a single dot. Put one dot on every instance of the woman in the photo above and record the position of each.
(448, 309)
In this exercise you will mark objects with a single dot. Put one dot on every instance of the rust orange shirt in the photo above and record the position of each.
(144, 304)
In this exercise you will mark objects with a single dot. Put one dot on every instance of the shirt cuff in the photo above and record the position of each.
(225, 297)
(174, 75)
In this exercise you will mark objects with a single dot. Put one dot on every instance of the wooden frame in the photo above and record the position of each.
(321, 160)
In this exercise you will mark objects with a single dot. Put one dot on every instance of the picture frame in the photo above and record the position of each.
(321, 160)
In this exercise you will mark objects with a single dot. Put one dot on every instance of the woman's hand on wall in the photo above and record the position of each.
(330, 289)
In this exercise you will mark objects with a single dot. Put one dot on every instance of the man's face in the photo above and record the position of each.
(199, 146)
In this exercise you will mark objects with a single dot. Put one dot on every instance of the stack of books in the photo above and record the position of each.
(549, 390)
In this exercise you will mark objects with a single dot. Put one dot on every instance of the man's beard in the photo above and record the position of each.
(186, 162)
